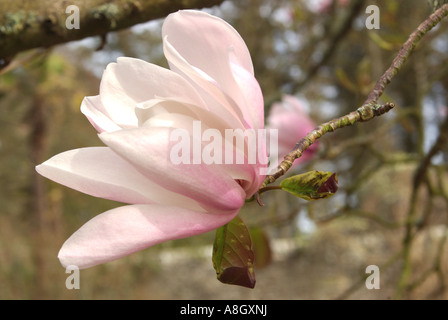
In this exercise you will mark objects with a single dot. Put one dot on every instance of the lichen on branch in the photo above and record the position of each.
(31, 24)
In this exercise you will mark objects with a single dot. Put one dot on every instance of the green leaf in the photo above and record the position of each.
(311, 185)
(233, 258)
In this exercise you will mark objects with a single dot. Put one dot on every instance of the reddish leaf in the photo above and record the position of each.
(233, 258)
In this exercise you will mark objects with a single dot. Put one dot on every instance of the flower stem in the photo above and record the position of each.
(269, 188)
(363, 113)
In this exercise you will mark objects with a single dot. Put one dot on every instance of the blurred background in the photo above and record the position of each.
(322, 53)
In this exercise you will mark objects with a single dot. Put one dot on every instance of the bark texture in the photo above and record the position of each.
(27, 24)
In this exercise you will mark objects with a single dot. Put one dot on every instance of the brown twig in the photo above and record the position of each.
(363, 113)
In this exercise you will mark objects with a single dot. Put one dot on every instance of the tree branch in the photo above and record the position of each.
(364, 113)
(370, 108)
(31, 24)
(405, 51)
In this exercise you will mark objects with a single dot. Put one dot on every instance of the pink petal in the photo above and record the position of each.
(204, 49)
(203, 41)
(131, 81)
(100, 172)
(215, 99)
(148, 149)
(174, 113)
(253, 103)
(125, 230)
(94, 110)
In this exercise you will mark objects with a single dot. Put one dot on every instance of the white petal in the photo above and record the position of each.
(131, 81)
(149, 150)
(125, 230)
(100, 172)
(94, 110)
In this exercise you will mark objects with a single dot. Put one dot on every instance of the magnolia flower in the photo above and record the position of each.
(293, 124)
(210, 81)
